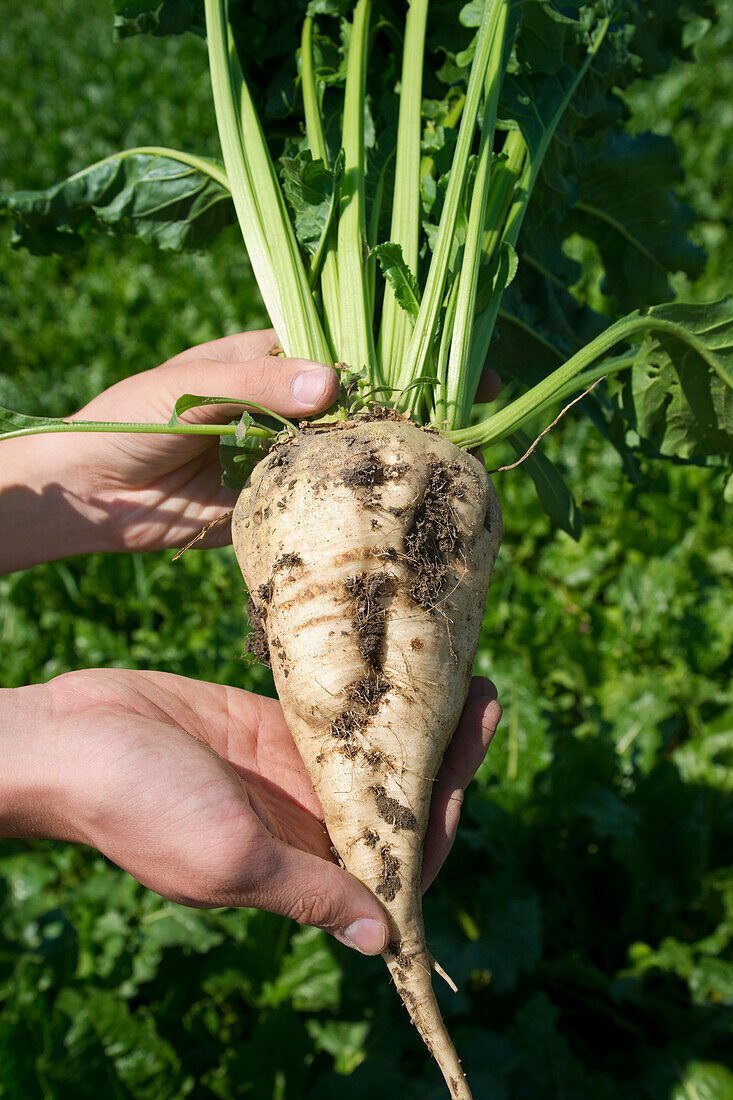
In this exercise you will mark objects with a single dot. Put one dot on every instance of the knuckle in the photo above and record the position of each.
(311, 906)
(77, 692)
(169, 372)
(242, 346)
(224, 886)
(266, 379)
(230, 876)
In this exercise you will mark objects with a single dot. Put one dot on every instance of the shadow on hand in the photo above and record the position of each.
(54, 524)
(284, 817)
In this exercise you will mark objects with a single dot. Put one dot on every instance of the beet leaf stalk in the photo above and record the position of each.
(410, 320)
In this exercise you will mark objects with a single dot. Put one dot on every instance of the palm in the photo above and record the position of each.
(202, 776)
(156, 739)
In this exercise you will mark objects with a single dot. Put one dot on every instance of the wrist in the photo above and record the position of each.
(43, 500)
(37, 786)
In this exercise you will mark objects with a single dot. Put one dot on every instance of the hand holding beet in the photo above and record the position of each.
(83, 492)
(198, 791)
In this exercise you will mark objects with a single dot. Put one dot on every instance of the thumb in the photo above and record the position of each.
(311, 890)
(290, 387)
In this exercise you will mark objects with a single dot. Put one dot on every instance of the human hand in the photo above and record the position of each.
(72, 493)
(198, 791)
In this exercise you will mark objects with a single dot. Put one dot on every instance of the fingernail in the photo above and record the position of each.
(367, 936)
(309, 387)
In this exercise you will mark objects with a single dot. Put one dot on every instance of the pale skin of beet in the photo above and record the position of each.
(367, 550)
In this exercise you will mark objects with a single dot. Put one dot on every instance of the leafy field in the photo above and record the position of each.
(587, 910)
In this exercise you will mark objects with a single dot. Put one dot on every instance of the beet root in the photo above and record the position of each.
(367, 550)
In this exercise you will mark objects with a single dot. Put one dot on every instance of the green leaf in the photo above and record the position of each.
(245, 423)
(706, 759)
(164, 201)
(596, 179)
(342, 1039)
(277, 423)
(399, 276)
(680, 396)
(239, 454)
(240, 451)
(470, 14)
(175, 925)
(139, 1061)
(13, 422)
(555, 496)
(423, 380)
(157, 17)
(540, 322)
(625, 204)
(194, 401)
(312, 190)
(704, 1081)
(335, 8)
(310, 977)
(496, 276)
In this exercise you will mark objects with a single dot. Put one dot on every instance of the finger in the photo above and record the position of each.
(470, 743)
(290, 387)
(473, 735)
(312, 891)
(236, 348)
(489, 386)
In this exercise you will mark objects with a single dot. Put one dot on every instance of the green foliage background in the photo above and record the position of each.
(587, 909)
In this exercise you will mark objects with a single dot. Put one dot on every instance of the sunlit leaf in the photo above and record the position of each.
(399, 276)
(680, 398)
(163, 201)
(312, 190)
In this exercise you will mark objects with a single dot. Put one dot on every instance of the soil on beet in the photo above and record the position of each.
(256, 642)
(392, 811)
(390, 883)
(432, 541)
(367, 591)
(434, 536)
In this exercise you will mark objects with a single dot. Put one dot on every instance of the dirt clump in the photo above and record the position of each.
(288, 561)
(366, 590)
(281, 459)
(434, 536)
(264, 593)
(395, 950)
(345, 723)
(392, 811)
(256, 643)
(369, 691)
(367, 471)
(390, 882)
